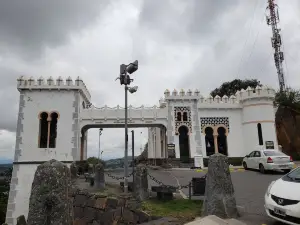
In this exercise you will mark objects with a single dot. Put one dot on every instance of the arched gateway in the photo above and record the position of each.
(55, 115)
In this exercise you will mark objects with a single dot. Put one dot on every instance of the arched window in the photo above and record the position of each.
(185, 118)
(48, 130)
(43, 140)
(53, 130)
(260, 136)
(179, 116)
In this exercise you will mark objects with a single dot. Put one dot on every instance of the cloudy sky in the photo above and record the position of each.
(179, 44)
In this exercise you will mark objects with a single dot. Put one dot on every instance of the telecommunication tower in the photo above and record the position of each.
(272, 20)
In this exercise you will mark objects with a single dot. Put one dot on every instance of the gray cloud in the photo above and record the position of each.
(8, 99)
(28, 27)
(188, 21)
(179, 44)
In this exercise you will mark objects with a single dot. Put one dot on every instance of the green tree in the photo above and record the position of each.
(288, 99)
(93, 160)
(4, 190)
(230, 88)
(288, 103)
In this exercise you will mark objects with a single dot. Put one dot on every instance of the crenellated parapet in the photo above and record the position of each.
(264, 92)
(53, 84)
(237, 99)
(117, 113)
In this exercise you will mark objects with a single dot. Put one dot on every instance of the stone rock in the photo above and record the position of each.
(81, 221)
(164, 221)
(129, 217)
(100, 203)
(21, 220)
(166, 166)
(112, 203)
(73, 170)
(142, 216)
(99, 176)
(51, 196)
(219, 192)
(90, 168)
(141, 183)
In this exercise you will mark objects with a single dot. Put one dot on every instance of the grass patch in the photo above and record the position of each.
(183, 209)
(110, 190)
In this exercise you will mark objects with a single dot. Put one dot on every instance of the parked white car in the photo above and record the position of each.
(282, 199)
(267, 159)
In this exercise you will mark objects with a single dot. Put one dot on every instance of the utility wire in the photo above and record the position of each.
(263, 67)
(247, 38)
(256, 38)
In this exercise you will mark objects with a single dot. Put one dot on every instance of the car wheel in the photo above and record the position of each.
(287, 171)
(245, 165)
(261, 168)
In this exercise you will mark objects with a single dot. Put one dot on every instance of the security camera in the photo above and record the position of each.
(132, 67)
(133, 89)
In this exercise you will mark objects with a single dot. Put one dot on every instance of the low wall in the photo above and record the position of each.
(100, 209)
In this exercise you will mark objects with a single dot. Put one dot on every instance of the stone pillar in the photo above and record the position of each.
(73, 170)
(216, 143)
(51, 196)
(197, 128)
(91, 169)
(99, 176)
(141, 183)
(170, 128)
(219, 192)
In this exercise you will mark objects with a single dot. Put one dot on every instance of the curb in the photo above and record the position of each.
(230, 169)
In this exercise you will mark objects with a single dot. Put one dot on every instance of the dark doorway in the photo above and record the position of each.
(222, 141)
(260, 136)
(184, 146)
(209, 141)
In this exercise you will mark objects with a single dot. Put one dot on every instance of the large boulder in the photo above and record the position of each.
(51, 196)
(219, 192)
(141, 183)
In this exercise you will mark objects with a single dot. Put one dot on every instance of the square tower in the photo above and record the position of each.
(47, 128)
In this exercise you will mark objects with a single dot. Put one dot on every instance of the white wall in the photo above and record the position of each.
(23, 189)
(235, 138)
(36, 102)
(258, 112)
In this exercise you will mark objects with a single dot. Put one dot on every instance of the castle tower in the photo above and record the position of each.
(258, 117)
(47, 128)
(183, 123)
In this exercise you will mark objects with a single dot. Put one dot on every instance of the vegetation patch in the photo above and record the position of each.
(183, 209)
(110, 190)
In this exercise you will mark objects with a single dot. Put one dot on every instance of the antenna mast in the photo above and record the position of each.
(272, 20)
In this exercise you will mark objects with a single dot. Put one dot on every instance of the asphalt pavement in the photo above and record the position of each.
(250, 188)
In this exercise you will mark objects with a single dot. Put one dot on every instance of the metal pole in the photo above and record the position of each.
(132, 141)
(126, 145)
(99, 146)
(190, 190)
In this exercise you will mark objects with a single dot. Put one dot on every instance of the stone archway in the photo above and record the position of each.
(222, 140)
(209, 141)
(184, 144)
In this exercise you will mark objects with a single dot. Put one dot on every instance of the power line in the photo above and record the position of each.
(246, 41)
(255, 40)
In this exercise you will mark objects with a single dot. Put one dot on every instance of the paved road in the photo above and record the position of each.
(250, 187)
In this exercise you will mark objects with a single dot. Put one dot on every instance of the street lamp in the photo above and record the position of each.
(125, 79)
(100, 133)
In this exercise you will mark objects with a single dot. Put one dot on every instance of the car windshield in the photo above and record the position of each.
(295, 174)
(274, 153)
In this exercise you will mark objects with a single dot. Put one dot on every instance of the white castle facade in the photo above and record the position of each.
(55, 115)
